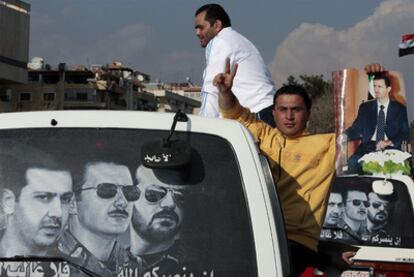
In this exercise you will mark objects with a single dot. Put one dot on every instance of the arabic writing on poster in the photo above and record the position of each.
(385, 240)
(34, 269)
(158, 158)
(155, 273)
(126, 271)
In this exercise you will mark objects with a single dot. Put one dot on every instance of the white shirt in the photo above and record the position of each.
(252, 85)
(374, 136)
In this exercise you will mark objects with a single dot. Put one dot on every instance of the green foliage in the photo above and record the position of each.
(389, 167)
(315, 85)
(371, 167)
(291, 80)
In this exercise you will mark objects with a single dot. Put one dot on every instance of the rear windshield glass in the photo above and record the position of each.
(357, 215)
(83, 195)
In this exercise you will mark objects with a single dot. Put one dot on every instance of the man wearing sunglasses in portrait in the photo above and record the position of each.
(157, 218)
(355, 216)
(104, 196)
(35, 199)
(378, 220)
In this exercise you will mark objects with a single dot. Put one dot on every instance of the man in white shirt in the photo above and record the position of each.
(253, 85)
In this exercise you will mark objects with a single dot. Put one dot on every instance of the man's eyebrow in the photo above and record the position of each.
(52, 193)
(289, 107)
(45, 192)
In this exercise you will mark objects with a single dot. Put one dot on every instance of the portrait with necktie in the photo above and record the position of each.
(381, 123)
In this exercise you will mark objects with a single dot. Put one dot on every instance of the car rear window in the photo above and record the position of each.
(357, 215)
(212, 235)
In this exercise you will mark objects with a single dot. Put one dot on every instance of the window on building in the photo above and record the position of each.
(35, 77)
(81, 96)
(25, 96)
(5, 95)
(49, 96)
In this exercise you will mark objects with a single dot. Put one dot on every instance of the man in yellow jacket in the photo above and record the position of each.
(303, 165)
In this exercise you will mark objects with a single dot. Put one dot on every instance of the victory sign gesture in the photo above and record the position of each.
(224, 82)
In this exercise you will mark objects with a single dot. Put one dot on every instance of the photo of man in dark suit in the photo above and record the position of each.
(381, 123)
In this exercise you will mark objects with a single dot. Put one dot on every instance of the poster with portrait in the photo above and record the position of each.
(83, 196)
(372, 190)
(371, 117)
(358, 214)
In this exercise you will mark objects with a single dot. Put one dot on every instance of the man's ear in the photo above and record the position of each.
(309, 115)
(218, 25)
(274, 113)
(73, 207)
(8, 200)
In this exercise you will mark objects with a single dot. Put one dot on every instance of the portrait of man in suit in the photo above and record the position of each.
(381, 123)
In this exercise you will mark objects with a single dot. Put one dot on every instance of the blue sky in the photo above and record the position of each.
(157, 37)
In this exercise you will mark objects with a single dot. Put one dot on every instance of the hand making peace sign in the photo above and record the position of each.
(224, 82)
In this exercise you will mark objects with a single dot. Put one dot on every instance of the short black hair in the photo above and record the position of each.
(383, 76)
(294, 90)
(14, 167)
(215, 12)
(335, 188)
(79, 173)
(348, 184)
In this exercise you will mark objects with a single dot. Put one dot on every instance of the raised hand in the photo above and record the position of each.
(373, 68)
(382, 144)
(224, 82)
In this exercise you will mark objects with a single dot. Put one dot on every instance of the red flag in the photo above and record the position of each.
(406, 45)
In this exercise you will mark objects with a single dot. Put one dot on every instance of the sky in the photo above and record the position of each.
(158, 37)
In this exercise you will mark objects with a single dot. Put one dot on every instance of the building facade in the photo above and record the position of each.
(14, 41)
(111, 87)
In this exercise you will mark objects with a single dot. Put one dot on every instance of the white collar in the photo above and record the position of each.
(224, 30)
(385, 104)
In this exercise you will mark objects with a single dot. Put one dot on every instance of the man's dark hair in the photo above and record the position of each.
(294, 90)
(383, 76)
(339, 190)
(347, 184)
(79, 174)
(13, 168)
(94, 148)
(215, 12)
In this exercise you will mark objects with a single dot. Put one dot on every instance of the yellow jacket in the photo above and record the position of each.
(303, 168)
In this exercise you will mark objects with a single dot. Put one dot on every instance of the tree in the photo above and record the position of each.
(322, 119)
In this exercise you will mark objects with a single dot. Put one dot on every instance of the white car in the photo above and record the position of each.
(232, 225)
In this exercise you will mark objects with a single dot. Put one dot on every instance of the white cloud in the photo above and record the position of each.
(132, 45)
(128, 44)
(319, 49)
